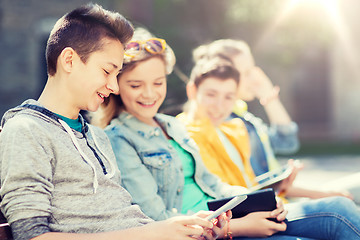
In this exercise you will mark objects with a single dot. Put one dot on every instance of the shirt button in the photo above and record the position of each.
(157, 132)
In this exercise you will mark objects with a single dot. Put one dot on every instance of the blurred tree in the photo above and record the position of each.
(277, 37)
(1, 17)
(184, 24)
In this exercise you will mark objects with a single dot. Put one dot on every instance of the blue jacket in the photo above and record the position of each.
(151, 169)
(266, 141)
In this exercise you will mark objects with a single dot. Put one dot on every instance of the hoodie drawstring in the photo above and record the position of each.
(84, 156)
(112, 165)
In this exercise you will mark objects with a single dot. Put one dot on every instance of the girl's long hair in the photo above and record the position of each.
(110, 109)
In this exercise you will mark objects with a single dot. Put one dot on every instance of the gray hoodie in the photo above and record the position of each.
(49, 170)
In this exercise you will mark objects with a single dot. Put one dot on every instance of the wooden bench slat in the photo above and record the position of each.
(5, 232)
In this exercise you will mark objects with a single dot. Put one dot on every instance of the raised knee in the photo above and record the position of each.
(341, 204)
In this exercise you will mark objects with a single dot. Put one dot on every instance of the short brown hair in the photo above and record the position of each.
(213, 67)
(83, 29)
(226, 48)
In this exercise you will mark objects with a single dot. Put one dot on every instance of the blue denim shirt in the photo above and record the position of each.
(151, 169)
(266, 141)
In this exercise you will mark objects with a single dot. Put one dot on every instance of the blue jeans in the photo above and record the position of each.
(326, 218)
(276, 237)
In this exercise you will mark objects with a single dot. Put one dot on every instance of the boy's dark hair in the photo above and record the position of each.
(218, 67)
(83, 29)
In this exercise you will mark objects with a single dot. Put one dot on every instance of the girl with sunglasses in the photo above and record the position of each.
(161, 166)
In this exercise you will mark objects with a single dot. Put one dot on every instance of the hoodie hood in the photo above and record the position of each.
(34, 108)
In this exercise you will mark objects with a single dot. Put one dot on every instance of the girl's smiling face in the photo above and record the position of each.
(216, 98)
(143, 89)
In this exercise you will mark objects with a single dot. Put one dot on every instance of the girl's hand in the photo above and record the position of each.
(259, 82)
(280, 212)
(257, 224)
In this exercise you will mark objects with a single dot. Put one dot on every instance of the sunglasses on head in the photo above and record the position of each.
(152, 45)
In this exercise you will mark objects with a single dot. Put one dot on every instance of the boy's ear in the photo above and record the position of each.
(191, 90)
(66, 59)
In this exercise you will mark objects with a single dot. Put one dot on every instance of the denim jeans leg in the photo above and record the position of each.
(327, 218)
(274, 237)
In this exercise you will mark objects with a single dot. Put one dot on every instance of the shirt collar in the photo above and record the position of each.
(142, 128)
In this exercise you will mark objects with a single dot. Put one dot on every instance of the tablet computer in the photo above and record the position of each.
(227, 206)
(261, 200)
(272, 179)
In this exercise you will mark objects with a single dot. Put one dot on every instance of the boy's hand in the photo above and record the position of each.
(285, 184)
(219, 224)
(179, 228)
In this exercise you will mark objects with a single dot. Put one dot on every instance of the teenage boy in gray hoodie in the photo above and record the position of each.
(59, 178)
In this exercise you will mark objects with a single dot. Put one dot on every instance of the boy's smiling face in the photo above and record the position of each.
(216, 98)
(97, 78)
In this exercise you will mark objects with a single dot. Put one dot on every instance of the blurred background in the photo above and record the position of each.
(307, 47)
